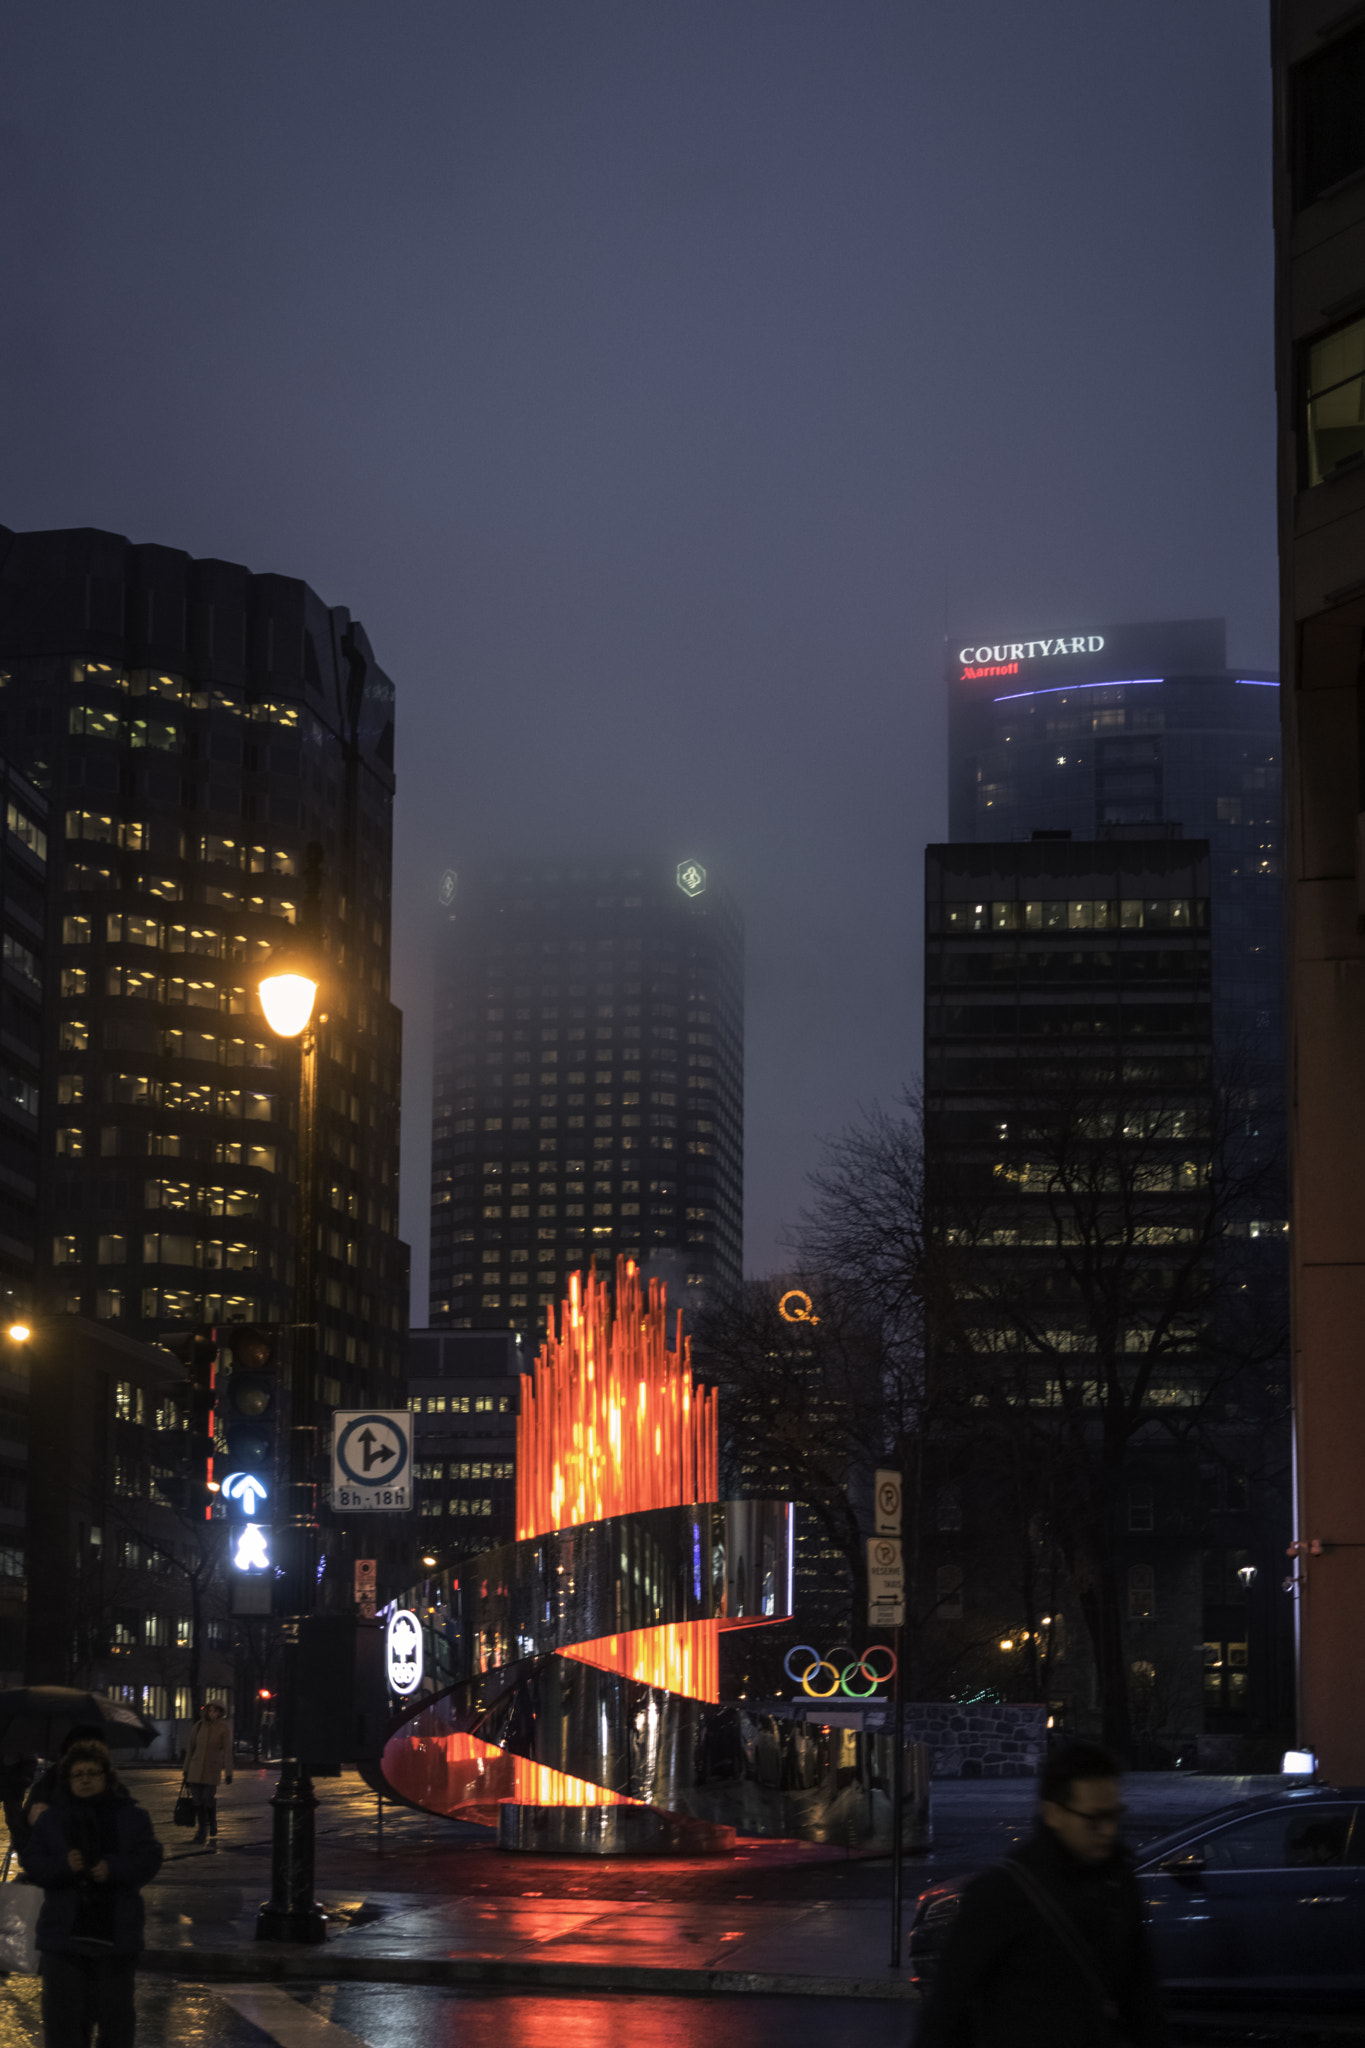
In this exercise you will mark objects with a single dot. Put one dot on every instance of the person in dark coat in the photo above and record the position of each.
(1049, 1949)
(92, 1851)
(43, 1788)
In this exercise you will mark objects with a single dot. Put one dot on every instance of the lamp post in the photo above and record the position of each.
(288, 991)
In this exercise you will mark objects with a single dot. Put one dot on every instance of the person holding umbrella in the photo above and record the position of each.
(44, 1786)
(43, 1721)
(92, 1851)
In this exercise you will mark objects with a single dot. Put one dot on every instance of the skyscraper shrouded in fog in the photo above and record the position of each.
(589, 1082)
(197, 729)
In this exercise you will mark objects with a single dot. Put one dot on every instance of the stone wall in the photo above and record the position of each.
(980, 1741)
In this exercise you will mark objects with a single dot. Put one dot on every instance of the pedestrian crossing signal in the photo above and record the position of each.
(249, 1407)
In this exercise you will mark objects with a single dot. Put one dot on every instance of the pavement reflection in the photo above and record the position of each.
(390, 2017)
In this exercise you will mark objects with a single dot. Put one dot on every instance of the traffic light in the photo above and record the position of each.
(192, 1489)
(249, 1421)
(201, 1356)
(249, 1415)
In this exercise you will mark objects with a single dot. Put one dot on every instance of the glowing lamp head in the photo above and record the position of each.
(19, 1333)
(287, 999)
(428, 1560)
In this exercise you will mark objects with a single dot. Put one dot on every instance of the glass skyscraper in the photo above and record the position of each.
(1109, 914)
(205, 738)
(1135, 727)
(589, 1083)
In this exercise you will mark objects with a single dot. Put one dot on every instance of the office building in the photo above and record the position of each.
(23, 971)
(464, 1390)
(1071, 1123)
(1319, 74)
(125, 1596)
(1136, 725)
(589, 1082)
(196, 730)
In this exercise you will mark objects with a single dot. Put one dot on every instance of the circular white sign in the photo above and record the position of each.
(403, 1652)
(372, 1451)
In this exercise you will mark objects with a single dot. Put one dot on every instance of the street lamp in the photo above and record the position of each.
(287, 1000)
(288, 989)
(19, 1333)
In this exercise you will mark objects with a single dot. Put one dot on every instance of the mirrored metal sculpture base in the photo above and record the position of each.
(533, 1725)
(608, 1831)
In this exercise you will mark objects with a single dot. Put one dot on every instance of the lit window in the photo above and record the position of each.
(1336, 402)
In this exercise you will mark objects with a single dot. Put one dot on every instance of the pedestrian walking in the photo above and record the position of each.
(44, 1787)
(1049, 1949)
(208, 1758)
(92, 1851)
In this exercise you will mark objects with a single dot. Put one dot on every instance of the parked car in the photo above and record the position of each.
(1253, 1900)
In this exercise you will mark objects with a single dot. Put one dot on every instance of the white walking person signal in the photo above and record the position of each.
(251, 1554)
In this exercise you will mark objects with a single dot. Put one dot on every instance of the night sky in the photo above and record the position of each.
(659, 382)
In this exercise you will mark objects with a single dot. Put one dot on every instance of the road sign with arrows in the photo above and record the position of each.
(372, 1461)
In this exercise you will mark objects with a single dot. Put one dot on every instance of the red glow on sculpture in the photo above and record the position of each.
(610, 1423)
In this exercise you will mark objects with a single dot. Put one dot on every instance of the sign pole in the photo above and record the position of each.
(897, 1805)
(886, 1609)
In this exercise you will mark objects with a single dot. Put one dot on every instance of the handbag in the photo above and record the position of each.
(20, 1905)
(186, 1814)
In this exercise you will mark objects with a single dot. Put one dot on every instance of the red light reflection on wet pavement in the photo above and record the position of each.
(396, 2016)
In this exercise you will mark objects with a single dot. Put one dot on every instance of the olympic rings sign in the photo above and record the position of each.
(840, 1675)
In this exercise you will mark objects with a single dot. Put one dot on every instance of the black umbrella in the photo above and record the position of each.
(36, 1719)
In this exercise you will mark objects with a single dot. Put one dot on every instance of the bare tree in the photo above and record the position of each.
(1082, 1282)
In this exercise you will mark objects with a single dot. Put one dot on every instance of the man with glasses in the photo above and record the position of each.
(1049, 1948)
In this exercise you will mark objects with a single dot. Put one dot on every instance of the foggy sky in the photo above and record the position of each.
(659, 382)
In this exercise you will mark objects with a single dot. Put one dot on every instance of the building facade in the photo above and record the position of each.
(1138, 725)
(23, 979)
(464, 1391)
(128, 1590)
(1072, 1134)
(23, 985)
(1319, 72)
(588, 1082)
(207, 739)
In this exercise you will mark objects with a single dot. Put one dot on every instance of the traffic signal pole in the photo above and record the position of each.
(291, 1913)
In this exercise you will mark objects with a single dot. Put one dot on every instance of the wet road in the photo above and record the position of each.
(172, 2015)
(394, 2016)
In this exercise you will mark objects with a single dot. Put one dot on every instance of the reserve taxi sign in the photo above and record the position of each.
(372, 1461)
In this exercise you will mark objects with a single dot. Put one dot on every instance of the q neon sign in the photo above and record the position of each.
(796, 1306)
(840, 1674)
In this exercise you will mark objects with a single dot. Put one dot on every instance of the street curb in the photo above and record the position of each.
(325, 1965)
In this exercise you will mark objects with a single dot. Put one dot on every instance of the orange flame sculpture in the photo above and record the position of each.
(610, 1424)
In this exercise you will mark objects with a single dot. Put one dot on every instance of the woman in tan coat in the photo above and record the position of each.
(208, 1757)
